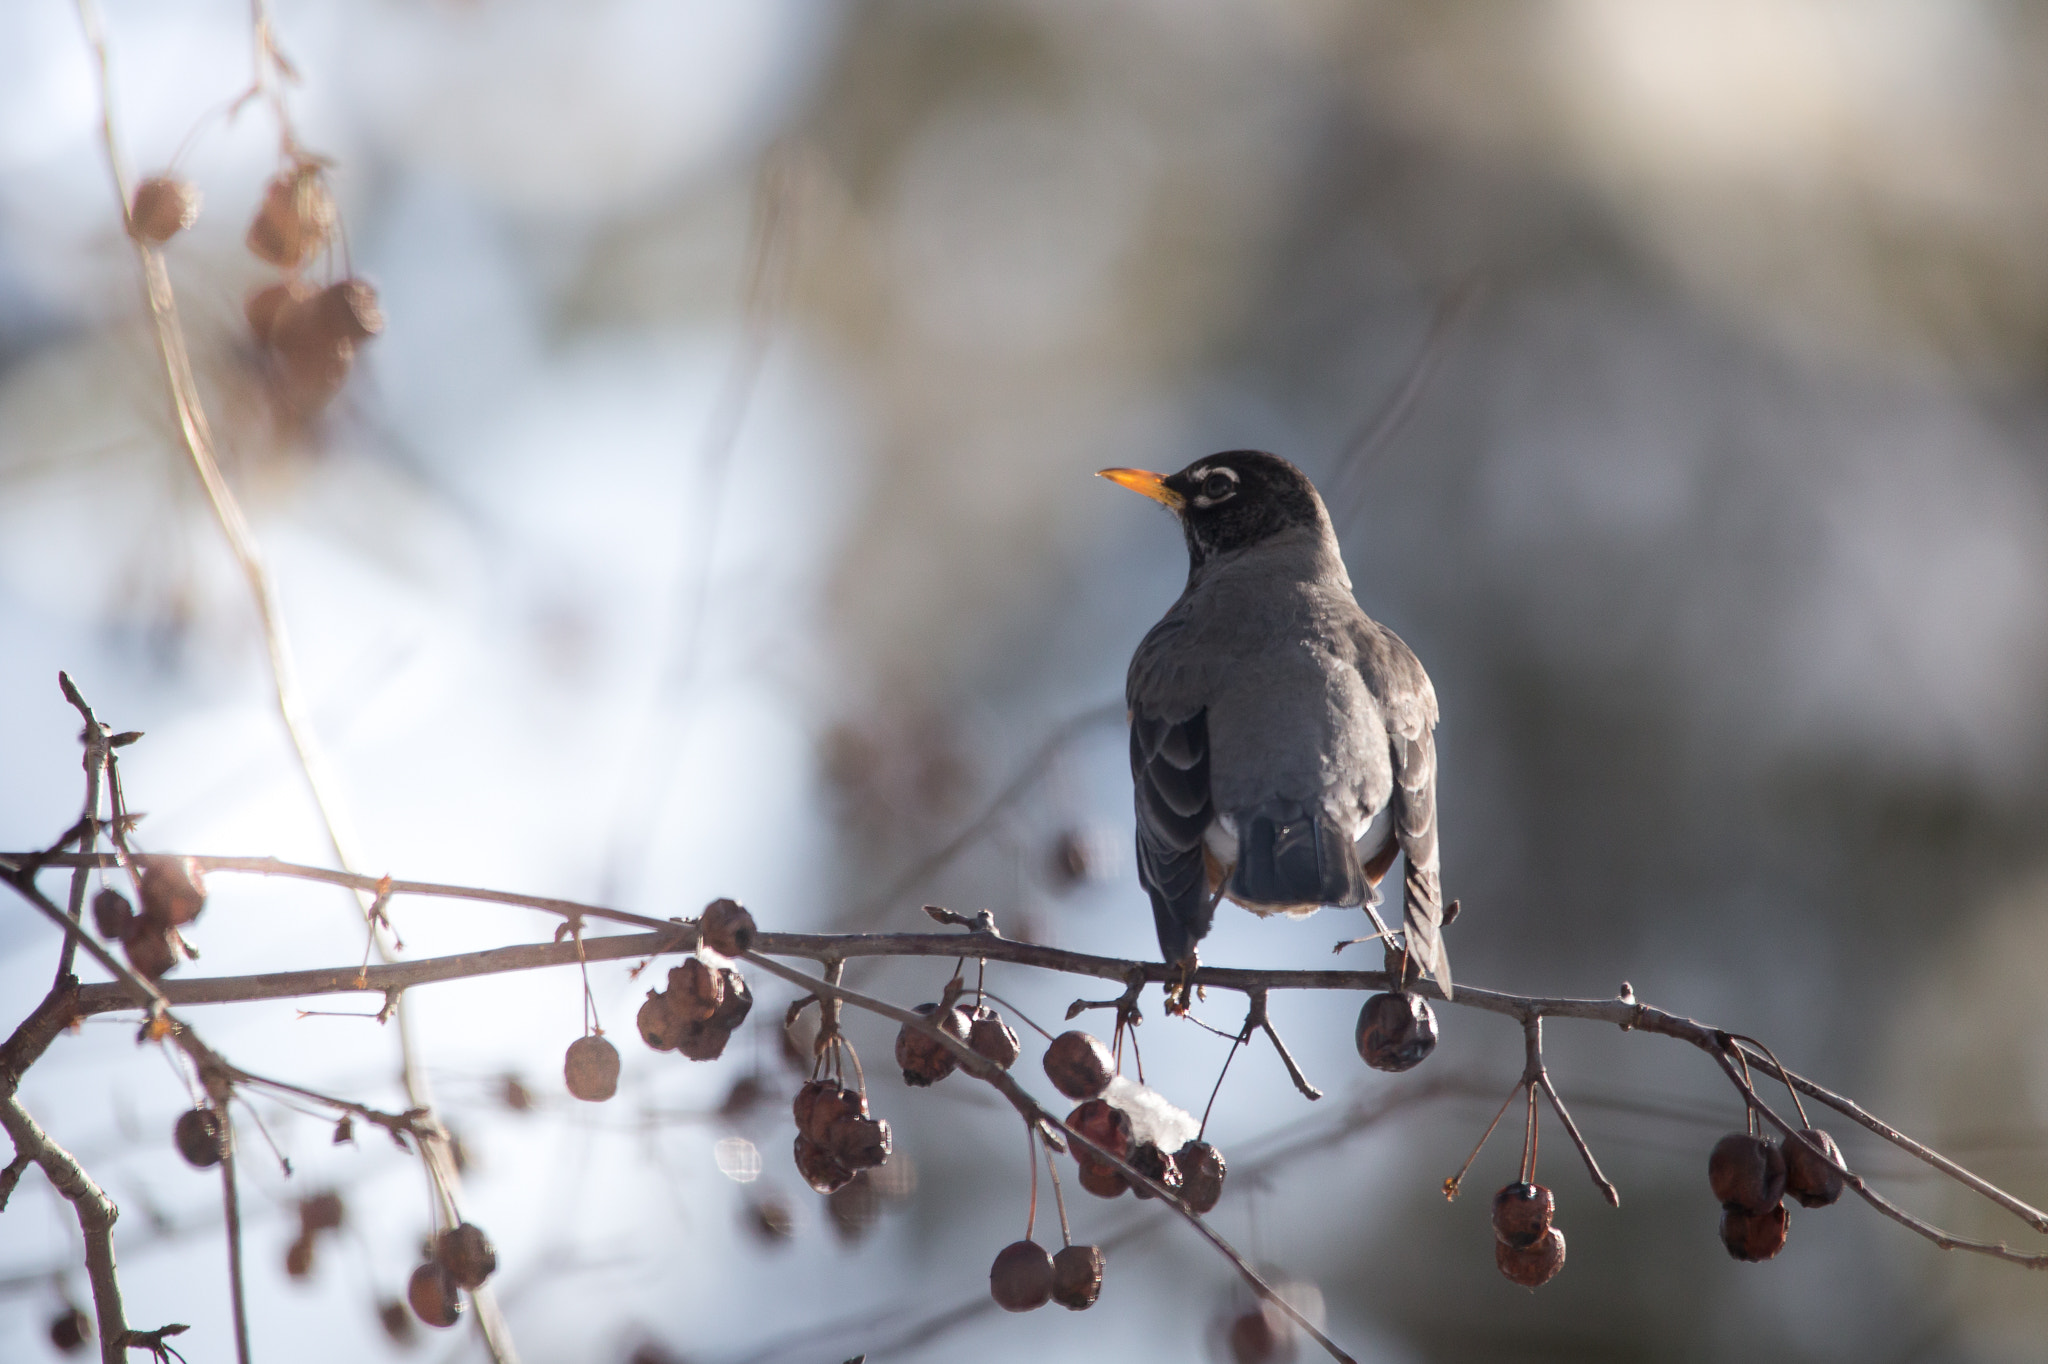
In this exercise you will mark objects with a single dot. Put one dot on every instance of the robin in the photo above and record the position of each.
(1273, 722)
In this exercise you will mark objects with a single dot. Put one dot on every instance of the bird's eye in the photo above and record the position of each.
(1218, 486)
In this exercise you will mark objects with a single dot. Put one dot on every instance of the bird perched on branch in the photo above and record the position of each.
(1273, 723)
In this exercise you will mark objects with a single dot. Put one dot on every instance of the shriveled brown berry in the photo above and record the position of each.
(173, 890)
(396, 1321)
(859, 1142)
(771, 1219)
(1157, 1166)
(69, 1330)
(1396, 1032)
(296, 217)
(1078, 1065)
(200, 1137)
(1533, 1265)
(1522, 1213)
(433, 1295)
(1201, 1175)
(992, 1037)
(855, 1207)
(591, 1069)
(1747, 1172)
(1810, 1178)
(348, 309)
(151, 948)
(925, 1059)
(695, 991)
(1755, 1236)
(818, 1167)
(1104, 1181)
(467, 1254)
(727, 928)
(1077, 1277)
(320, 1212)
(263, 305)
(1261, 1336)
(1021, 1278)
(111, 914)
(820, 1104)
(1103, 1123)
(659, 1027)
(705, 1040)
(298, 1257)
(163, 208)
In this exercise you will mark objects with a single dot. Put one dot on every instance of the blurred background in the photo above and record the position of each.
(715, 517)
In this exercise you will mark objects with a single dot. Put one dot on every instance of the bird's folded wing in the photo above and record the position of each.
(1170, 774)
(1407, 700)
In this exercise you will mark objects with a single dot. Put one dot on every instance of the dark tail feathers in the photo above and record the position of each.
(1289, 856)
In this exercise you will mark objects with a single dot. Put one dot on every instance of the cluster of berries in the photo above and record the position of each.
(1751, 1176)
(173, 892)
(1526, 1247)
(460, 1257)
(836, 1137)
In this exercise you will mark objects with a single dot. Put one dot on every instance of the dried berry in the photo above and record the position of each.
(1522, 1213)
(152, 948)
(727, 928)
(162, 209)
(659, 1028)
(1109, 1127)
(591, 1069)
(466, 1253)
(173, 890)
(320, 1212)
(1153, 1163)
(201, 1137)
(818, 1166)
(348, 310)
(820, 1104)
(1021, 1278)
(1396, 1032)
(1078, 1065)
(1810, 1178)
(1534, 1265)
(771, 1219)
(433, 1295)
(1261, 1336)
(925, 1059)
(858, 1142)
(992, 1038)
(513, 1093)
(705, 1040)
(1201, 1175)
(1077, 1277)
(111, 914)
(1104, 1181)
(298, 1257)
(69, 1330)
(1747, 1172)
(396, 1321)
(695, 991)
(296, 217)
(1754, 1236)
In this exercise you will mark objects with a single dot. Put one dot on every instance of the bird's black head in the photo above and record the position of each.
(1231, 500)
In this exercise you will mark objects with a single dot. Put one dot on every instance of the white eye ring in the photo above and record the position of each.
(1212, 492)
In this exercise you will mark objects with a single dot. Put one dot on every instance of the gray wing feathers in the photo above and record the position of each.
(1415, 825)
(1170, 777)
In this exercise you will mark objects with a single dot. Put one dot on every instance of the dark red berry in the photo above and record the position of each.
(993, 1038)
(1201, 1175)
(1747, 1172)
(320, 1212)
(925, 1059)
(201, 1137)
(1077, 1277)
(1754, 1236)
(727, 928)
(163, 208)
(1078, 1065)
(111, 914)
(1521, 1214)
(69, 1330)
(1157, 1166)
(818, 1166)
(1534, 1265)
(173, 890)
(1810, 1178)
(467, 1254)
(1396, 1032)
(1021, 1278)
(433, 1295)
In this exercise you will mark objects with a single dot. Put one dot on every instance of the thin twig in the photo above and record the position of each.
(1259, 1016)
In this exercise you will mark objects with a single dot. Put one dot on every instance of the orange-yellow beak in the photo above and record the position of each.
(1144, 481)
